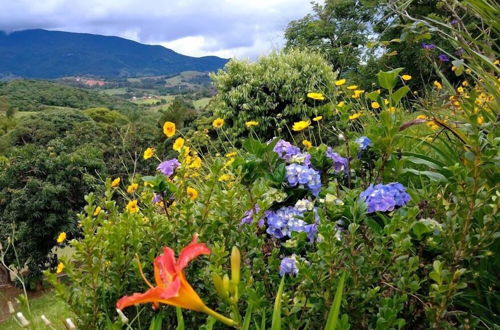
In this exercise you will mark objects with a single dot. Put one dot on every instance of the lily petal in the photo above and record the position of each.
(153, 295)
(164, 267)
(190, 252)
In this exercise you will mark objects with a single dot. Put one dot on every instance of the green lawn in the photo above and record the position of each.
(54, 309)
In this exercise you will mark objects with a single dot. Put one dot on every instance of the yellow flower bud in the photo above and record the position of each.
(235, 265)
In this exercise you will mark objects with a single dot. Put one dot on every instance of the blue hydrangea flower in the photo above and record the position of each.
(363, 142)
(301, 158)
(248, 215)
(303, 175)
(168, 167)
(288, 266)
(286, 220)
(286, 150)
(385, 198)
(339, 163)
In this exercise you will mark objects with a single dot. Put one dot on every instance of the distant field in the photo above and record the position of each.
(201, 103)
(115, 91)
(23, 114)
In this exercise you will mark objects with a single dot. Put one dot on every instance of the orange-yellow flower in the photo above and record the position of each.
(251, 123)
(352, 87)
(307, 144)
(148, 153)
(132, 206)
(357, 93)
(406, 77)
(97, 211)
(340, 82)
(375, 105)
(194, 162)
(480, 120)
(60, 268)
(132, 188)
(61, 238)
(192, 193)
(172, 287)
(115, 182)
(316, 96)
(301, 125)
(355, 116)
(169, 129)
(437, 84)
(178, 144)
(218, 123)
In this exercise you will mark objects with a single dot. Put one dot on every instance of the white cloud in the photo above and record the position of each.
(228, 28)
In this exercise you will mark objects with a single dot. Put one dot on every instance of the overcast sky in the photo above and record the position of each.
(226, 28)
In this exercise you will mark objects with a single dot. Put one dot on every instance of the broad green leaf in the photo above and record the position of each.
(433, 176)
(399, 94)
(388, 79)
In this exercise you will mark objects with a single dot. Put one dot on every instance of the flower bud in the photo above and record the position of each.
(24, 322)
(45, 320)
(225, 284)
(219, 286)
(69, 324)
(123, 318)
(11, 307)
(235, 265)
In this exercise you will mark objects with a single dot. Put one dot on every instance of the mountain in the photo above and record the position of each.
(54, 54)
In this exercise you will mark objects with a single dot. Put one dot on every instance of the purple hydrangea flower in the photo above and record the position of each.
(168, 167)
(455, 21)
(363, 142)
(339, 163)
(248, 216)
(157, 198)
(288, 266)
(459, 52)
(428, 46)
(303, 175)
(385, 198)
(286, 150)
(443, 58)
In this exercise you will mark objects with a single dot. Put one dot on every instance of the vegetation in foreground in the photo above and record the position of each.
(367, 208)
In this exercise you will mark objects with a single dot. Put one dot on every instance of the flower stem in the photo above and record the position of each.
(219, 317)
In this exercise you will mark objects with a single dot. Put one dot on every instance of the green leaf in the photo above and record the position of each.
(333, 315)
(180, 319)
(248, 317)
(420, 229)
(276, 322)
(399, 94)
(433, 176)
(388, 79)
(156, 323)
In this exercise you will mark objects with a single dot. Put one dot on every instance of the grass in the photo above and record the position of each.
(201, 103)
(115, 91)
(50, 306)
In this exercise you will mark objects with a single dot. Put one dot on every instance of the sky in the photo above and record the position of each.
(226, 28)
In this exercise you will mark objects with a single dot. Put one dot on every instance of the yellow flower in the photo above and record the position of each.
(465, 83)
(251, 123)
(422, 117)
(496, 62)
(97, 211)
(148, 153)
(231, 154)
(357, 93)
(195, 162)
(132, 206)
(454, 68)
(480, 120)
(301, 125)
(169, 129)
(132, 188)
(218, 123)
(307, 144)
(229, 162)
(392, 109)
(61, 238)
(460, 90)
(406, 77)
(437, 84)
(60, 268)
(340, 104)
(340, 82)
(115, 182)
(192, 193)
(352, 87)
(318, 118)
(355, 116)
(375, 105)
(432, 125)
(178, 144)
(224, 177)
(316, 96)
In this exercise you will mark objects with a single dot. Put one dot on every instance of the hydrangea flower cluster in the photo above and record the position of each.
(168, 167)
(303, 175)
(286, 220)
(248, 216)
(339, 163)
(286, 150)
(288, 266)
(363, 142)
(385, 197)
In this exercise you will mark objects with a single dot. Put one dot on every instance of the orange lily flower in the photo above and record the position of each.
(172, 288)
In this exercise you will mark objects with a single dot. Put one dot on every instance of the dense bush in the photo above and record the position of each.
(271, 91)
